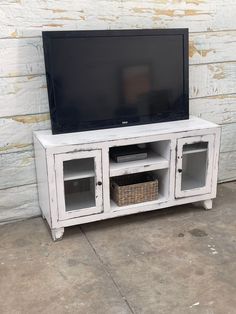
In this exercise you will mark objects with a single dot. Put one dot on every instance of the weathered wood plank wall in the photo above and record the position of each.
(23, 97)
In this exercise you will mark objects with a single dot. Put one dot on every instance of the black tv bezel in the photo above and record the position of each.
(112, 123)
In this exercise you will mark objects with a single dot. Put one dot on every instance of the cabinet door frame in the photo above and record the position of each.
(207, 188)
(59, 174)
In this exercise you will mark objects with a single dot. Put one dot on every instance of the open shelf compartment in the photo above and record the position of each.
(162, 175)
(158, 156)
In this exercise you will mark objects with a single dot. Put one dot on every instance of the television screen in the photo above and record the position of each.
(102, 79)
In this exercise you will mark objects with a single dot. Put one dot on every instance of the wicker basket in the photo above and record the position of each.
(133, 189)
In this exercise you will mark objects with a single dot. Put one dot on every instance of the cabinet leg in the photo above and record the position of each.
(57, 234)
(207, 204)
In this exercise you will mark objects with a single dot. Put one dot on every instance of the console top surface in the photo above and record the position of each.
(47, 139)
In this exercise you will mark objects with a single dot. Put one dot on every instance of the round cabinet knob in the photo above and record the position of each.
(180, 170)
(99, 183)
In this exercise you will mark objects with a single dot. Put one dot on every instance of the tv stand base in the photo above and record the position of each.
(75, 170)
(207, 204)
(57, 234)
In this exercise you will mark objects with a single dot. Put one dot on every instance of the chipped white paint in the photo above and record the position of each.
(17, 169)
(18, 203)
(21, 57)
(227, 166)
(212, 79)
(205, 80)
(50, 141)
(212, 47)
(43, 193)
(24, 56)
(63, 214)
(165, 138)
(210, 139)
(28, 94)
(212, 27)
(220, 109)
(57, 234)
(29, 17)
(228, 142)
(23, 95)
(207, 204)
(16, 132)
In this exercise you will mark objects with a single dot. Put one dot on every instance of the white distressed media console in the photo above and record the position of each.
(74, 169)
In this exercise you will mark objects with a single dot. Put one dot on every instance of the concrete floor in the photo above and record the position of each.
(179, 260)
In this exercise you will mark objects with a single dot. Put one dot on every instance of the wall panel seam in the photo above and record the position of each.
(18, 186)
(191, 32)
(32, 75)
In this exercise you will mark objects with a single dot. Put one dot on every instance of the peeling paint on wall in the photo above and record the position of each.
(31, 119)
(23, 94)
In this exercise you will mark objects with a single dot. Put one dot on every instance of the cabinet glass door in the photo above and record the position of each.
(79, 184)
(194, 165)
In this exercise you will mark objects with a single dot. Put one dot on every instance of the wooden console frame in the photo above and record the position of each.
(166, 141)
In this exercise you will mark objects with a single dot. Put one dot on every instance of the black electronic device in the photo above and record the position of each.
(113, 78)
(128, 153)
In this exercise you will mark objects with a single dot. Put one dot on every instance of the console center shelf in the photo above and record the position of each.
(75, 171)
(157, 158)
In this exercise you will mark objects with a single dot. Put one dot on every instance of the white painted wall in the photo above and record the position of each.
(23, 97)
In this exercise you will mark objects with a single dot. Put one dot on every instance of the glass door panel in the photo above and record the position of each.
(79, 194)
(194, 165)
(79, 184)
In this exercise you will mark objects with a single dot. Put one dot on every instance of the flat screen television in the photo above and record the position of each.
(113, 78)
